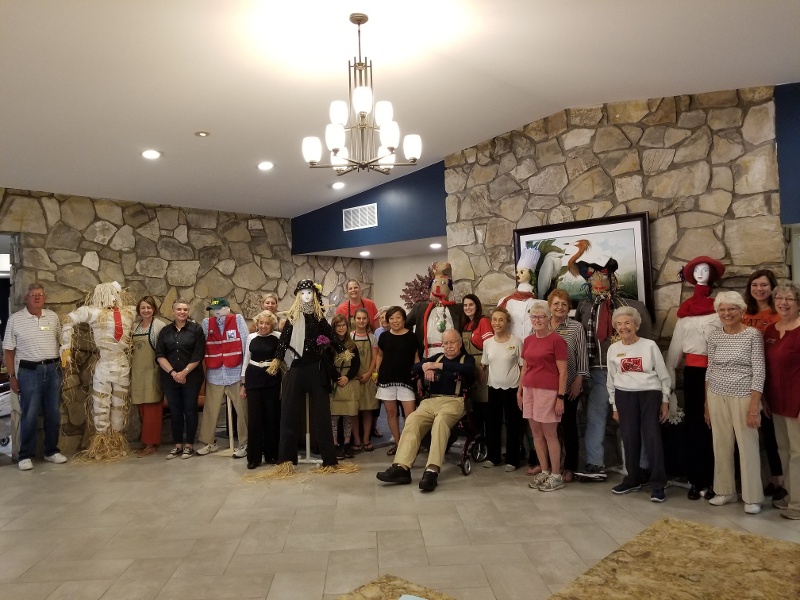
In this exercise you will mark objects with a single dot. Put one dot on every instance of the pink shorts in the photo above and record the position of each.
(539, 405)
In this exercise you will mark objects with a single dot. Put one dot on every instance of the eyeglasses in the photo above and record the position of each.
(538, 317)
(35, 295)
(785, 299)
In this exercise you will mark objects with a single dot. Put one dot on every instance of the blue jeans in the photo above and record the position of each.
(39, 393)
(596, 416)
(182, 403)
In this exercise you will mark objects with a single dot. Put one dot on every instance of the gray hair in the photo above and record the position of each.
(540, 307)
(789, 287)
(35, 286)
(627, 311)
(730, 297)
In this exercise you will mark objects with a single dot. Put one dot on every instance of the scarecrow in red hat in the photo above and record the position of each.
(696, 320)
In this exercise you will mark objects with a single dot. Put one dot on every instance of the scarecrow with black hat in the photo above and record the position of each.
(429, 320)
(303, 340)
(226, 337)
(595, 314)
(696, 320)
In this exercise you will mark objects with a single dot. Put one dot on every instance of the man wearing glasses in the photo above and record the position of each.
(30, 353)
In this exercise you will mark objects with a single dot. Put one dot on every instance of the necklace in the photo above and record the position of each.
(441, 324)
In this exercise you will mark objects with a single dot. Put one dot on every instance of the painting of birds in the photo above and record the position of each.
(551, 266)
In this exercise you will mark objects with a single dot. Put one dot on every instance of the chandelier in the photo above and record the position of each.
(362, 122)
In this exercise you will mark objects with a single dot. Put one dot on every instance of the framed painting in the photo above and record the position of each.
(624, 238)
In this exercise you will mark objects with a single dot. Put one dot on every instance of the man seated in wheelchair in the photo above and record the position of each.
(448, 376)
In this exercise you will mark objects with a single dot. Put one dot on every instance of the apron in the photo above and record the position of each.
(478, 392)
(344, 400)
(145, 382)
(366, 391)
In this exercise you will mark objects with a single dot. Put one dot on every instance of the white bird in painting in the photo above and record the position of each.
(552, 272)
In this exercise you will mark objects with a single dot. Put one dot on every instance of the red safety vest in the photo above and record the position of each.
(221, 350)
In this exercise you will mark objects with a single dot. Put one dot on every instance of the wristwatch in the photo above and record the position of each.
(561, 396)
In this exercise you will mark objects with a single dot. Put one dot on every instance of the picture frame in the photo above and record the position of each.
(625, 238)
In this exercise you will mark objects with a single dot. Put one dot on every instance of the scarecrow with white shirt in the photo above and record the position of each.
(110, 315)
(520, 302)
(696, 320)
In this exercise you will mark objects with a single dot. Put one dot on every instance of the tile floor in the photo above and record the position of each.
(150, 529)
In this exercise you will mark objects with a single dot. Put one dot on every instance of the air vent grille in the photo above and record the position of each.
(360, 217)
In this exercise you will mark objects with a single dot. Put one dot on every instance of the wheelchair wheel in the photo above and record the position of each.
(479, 451)
(4, 441)
(466, 466)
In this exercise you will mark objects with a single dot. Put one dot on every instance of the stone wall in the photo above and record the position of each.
(704, 167)
(72, 243)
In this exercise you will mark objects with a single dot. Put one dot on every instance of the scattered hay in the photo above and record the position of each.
(109, 446)
(287, 470)
(344, 468)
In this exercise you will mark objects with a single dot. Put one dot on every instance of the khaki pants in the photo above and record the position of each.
(438, 414)
(214, 397)
(787, 432)
(729, 423)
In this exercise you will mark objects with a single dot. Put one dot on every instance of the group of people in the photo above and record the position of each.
(524, 366)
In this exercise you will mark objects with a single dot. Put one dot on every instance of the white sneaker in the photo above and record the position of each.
(207, 449)
(552, 483)
(240, 452)
(721, 499)
(26, 464)
(56, 458)
(490, 465)
(539, 479)
(752, 509)
(510, 468)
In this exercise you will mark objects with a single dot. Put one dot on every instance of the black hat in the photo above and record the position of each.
(587, 269)
(306, 284)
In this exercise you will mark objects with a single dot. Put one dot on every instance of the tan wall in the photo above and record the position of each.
(704, 167)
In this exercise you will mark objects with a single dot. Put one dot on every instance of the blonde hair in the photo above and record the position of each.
(265, 315)
(296, 310)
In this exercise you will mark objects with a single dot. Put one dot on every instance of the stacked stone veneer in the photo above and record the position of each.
(704, 167)
(72, 243)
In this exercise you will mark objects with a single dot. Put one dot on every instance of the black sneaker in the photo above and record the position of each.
(624, 488)
(780, 493)
(429, 481)
(348, 451)
(693, 494)
(658, 495)
(340, 451)
(591, 473)
(395, 474)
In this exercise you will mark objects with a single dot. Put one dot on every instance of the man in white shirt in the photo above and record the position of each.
(30, 353)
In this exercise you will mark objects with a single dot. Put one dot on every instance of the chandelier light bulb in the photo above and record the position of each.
(362, 100)
(390, 135)
(312, 150)
(339, 111)
(412, 147)
(383, 112)
(334, 136)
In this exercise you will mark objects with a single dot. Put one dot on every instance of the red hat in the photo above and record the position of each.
(717, 269)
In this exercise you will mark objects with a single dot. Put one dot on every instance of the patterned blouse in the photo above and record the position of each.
(735, 362)
(575, 336)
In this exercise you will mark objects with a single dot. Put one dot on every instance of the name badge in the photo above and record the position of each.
(230, 334)
(44, 327)
(620, 355)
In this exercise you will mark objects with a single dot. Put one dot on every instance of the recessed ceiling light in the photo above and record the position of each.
(151, 154)
(436, 246)
(265, 166)
(364, 253)
(202, 133)
(338, 185)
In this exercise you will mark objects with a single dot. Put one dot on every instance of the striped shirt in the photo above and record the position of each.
(33, 338)
(578, 362)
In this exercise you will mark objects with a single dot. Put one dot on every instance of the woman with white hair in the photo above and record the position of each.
(734, 384)
(541, 394)
(639, 386)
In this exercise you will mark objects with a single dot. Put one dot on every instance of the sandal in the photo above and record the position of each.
(533, 470)
(357, 448)
(392, 451)
(368, 447)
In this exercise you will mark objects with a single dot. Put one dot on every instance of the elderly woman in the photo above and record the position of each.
(542, 393)
(781, 350)
(262, 391)
(145, 380)
(761, 314)
(577, 368)
(639, 387)
(734, 384)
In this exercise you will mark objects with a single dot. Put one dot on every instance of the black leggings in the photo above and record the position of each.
(503, 402)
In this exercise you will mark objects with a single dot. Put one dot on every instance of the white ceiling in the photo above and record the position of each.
(85, 86)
